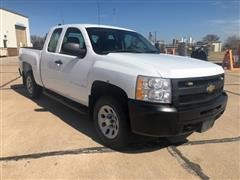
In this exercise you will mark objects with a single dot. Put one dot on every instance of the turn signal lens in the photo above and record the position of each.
(139, 89)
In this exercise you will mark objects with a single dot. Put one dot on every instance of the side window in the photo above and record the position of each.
(52, 45)
(73, 35)
(110, 36)
(94, 38)
(127, 41)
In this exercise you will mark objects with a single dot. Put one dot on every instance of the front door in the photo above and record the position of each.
(73, 70)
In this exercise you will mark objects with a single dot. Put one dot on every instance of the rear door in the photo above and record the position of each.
(49, 66)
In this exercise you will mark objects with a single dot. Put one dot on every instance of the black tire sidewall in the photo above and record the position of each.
(121, 139)
(36, 89)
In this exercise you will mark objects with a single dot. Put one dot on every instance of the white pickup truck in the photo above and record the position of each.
(123, 81)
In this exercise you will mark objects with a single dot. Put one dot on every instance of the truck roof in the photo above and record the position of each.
(93, 26)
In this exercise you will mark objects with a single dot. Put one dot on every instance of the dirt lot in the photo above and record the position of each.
(44, 139)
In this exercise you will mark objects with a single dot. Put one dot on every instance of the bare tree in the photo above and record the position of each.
(37, 41)
(150, 37)
(210, 38)
(232, 42)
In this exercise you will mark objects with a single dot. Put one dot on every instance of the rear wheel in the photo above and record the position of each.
(111, 122)
(33, 90)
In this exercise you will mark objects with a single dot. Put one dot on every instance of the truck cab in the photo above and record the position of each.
(125, 83)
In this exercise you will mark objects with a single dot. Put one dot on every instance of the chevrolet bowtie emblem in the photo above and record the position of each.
(210, 88)
(190, 83)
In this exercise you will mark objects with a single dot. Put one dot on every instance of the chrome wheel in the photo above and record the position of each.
(29, 84)
(108, 122)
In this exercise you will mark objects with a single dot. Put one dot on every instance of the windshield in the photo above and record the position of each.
(106, 41)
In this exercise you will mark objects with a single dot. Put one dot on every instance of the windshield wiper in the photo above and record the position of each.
(152, 51)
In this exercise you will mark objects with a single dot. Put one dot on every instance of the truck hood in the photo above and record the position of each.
(166, 66)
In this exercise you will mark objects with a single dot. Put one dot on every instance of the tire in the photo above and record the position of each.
(111, 122)
(33, 90)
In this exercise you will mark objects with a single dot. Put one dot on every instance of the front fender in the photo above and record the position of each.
(120, 76)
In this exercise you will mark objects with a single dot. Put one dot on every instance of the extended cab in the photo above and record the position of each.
(125, 84)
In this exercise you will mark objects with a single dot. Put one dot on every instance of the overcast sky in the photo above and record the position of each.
(170, 19)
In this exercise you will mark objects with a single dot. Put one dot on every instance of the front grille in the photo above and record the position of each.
(191, 91)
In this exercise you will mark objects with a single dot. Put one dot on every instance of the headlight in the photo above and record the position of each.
(153, 89)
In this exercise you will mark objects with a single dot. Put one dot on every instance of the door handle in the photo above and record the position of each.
(58, 62)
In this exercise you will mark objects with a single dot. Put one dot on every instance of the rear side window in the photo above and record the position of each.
(52, 46)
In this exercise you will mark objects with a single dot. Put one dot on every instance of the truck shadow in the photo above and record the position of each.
(82, 123)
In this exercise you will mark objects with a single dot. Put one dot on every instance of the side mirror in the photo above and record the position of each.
(73, 49)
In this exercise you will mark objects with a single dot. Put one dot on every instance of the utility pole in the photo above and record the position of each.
(114, 16)
(98, 7)
(155, 34)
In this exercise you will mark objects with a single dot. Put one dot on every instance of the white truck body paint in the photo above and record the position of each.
(76, 76)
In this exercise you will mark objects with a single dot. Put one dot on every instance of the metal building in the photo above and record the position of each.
(14, 32)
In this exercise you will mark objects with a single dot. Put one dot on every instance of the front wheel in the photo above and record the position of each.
(111, 122)
(33, 90)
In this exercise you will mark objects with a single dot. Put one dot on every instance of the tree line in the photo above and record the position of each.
(232, 42)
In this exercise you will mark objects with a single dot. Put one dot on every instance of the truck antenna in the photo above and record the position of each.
(62, 19)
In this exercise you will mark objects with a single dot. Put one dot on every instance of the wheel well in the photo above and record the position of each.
(26, 67)
(100, 88)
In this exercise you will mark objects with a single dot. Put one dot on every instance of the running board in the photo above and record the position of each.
(65, 101)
